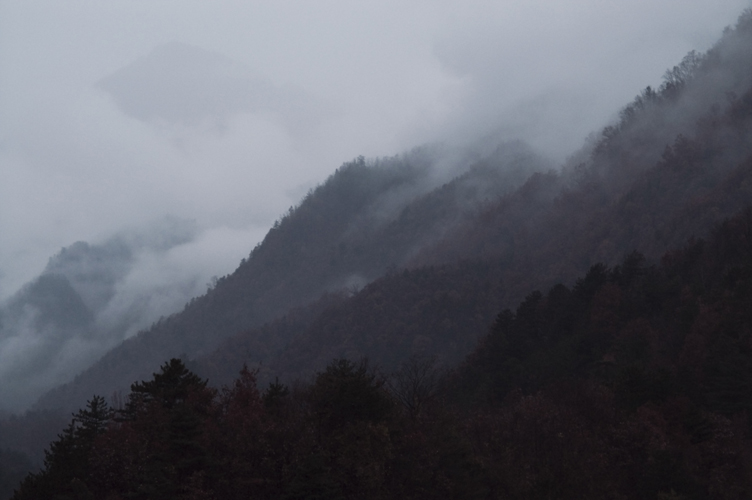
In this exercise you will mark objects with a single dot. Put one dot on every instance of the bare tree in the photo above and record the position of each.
(416, 383)
(684, 71)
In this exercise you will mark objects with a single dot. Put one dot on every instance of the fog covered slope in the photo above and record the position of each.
(89, 298)
(367, 218)
(675, 163)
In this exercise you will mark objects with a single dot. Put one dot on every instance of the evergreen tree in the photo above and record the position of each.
(65, 474)
(167, 415)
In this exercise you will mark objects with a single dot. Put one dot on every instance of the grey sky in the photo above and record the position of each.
(340, 79)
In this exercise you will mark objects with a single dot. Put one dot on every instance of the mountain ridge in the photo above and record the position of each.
(363, 221)
(689, 137)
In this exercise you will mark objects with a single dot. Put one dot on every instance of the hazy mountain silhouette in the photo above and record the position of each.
(404, 256)
(676, 163)
(81, 306)
(178, 83)
(367, 218)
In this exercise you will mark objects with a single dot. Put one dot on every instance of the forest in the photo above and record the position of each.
(632, 383)
(512, 330)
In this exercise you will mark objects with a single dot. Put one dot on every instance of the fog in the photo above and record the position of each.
(116, 115)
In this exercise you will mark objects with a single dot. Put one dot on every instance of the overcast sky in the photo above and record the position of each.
(116, 113)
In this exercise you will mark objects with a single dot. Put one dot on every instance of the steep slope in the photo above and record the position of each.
(433, 312)
(635, 380)
(41, 333)
(367, 218)
(689, 314)
(677, 163)
(634, 383)
(82, 305)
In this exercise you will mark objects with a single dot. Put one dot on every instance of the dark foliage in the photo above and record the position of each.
(14, 467)
(676, 163)
(634, 383)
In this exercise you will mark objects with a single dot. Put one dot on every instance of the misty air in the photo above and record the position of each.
(376, 250)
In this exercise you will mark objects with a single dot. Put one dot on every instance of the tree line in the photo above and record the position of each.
(633, 383)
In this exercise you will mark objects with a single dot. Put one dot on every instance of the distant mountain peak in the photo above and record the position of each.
(178, 83)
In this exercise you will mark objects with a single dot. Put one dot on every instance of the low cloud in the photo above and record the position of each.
(92, 296)
(116, 114)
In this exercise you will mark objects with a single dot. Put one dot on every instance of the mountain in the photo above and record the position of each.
(633, 383)
(183, 84)
(676, 163)
(85, 302)
(403, 256)
(634, 380)
(435, 312)
(366, 219)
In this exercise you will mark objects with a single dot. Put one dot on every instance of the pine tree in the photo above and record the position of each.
(65, 474)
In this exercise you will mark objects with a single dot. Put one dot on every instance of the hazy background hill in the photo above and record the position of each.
(157, 87)
(89, 298)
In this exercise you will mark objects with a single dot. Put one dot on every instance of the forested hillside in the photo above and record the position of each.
(633, 383)
(82, 305)
(366, 218)
(676, 164)
(436, 311)
(628, 377)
